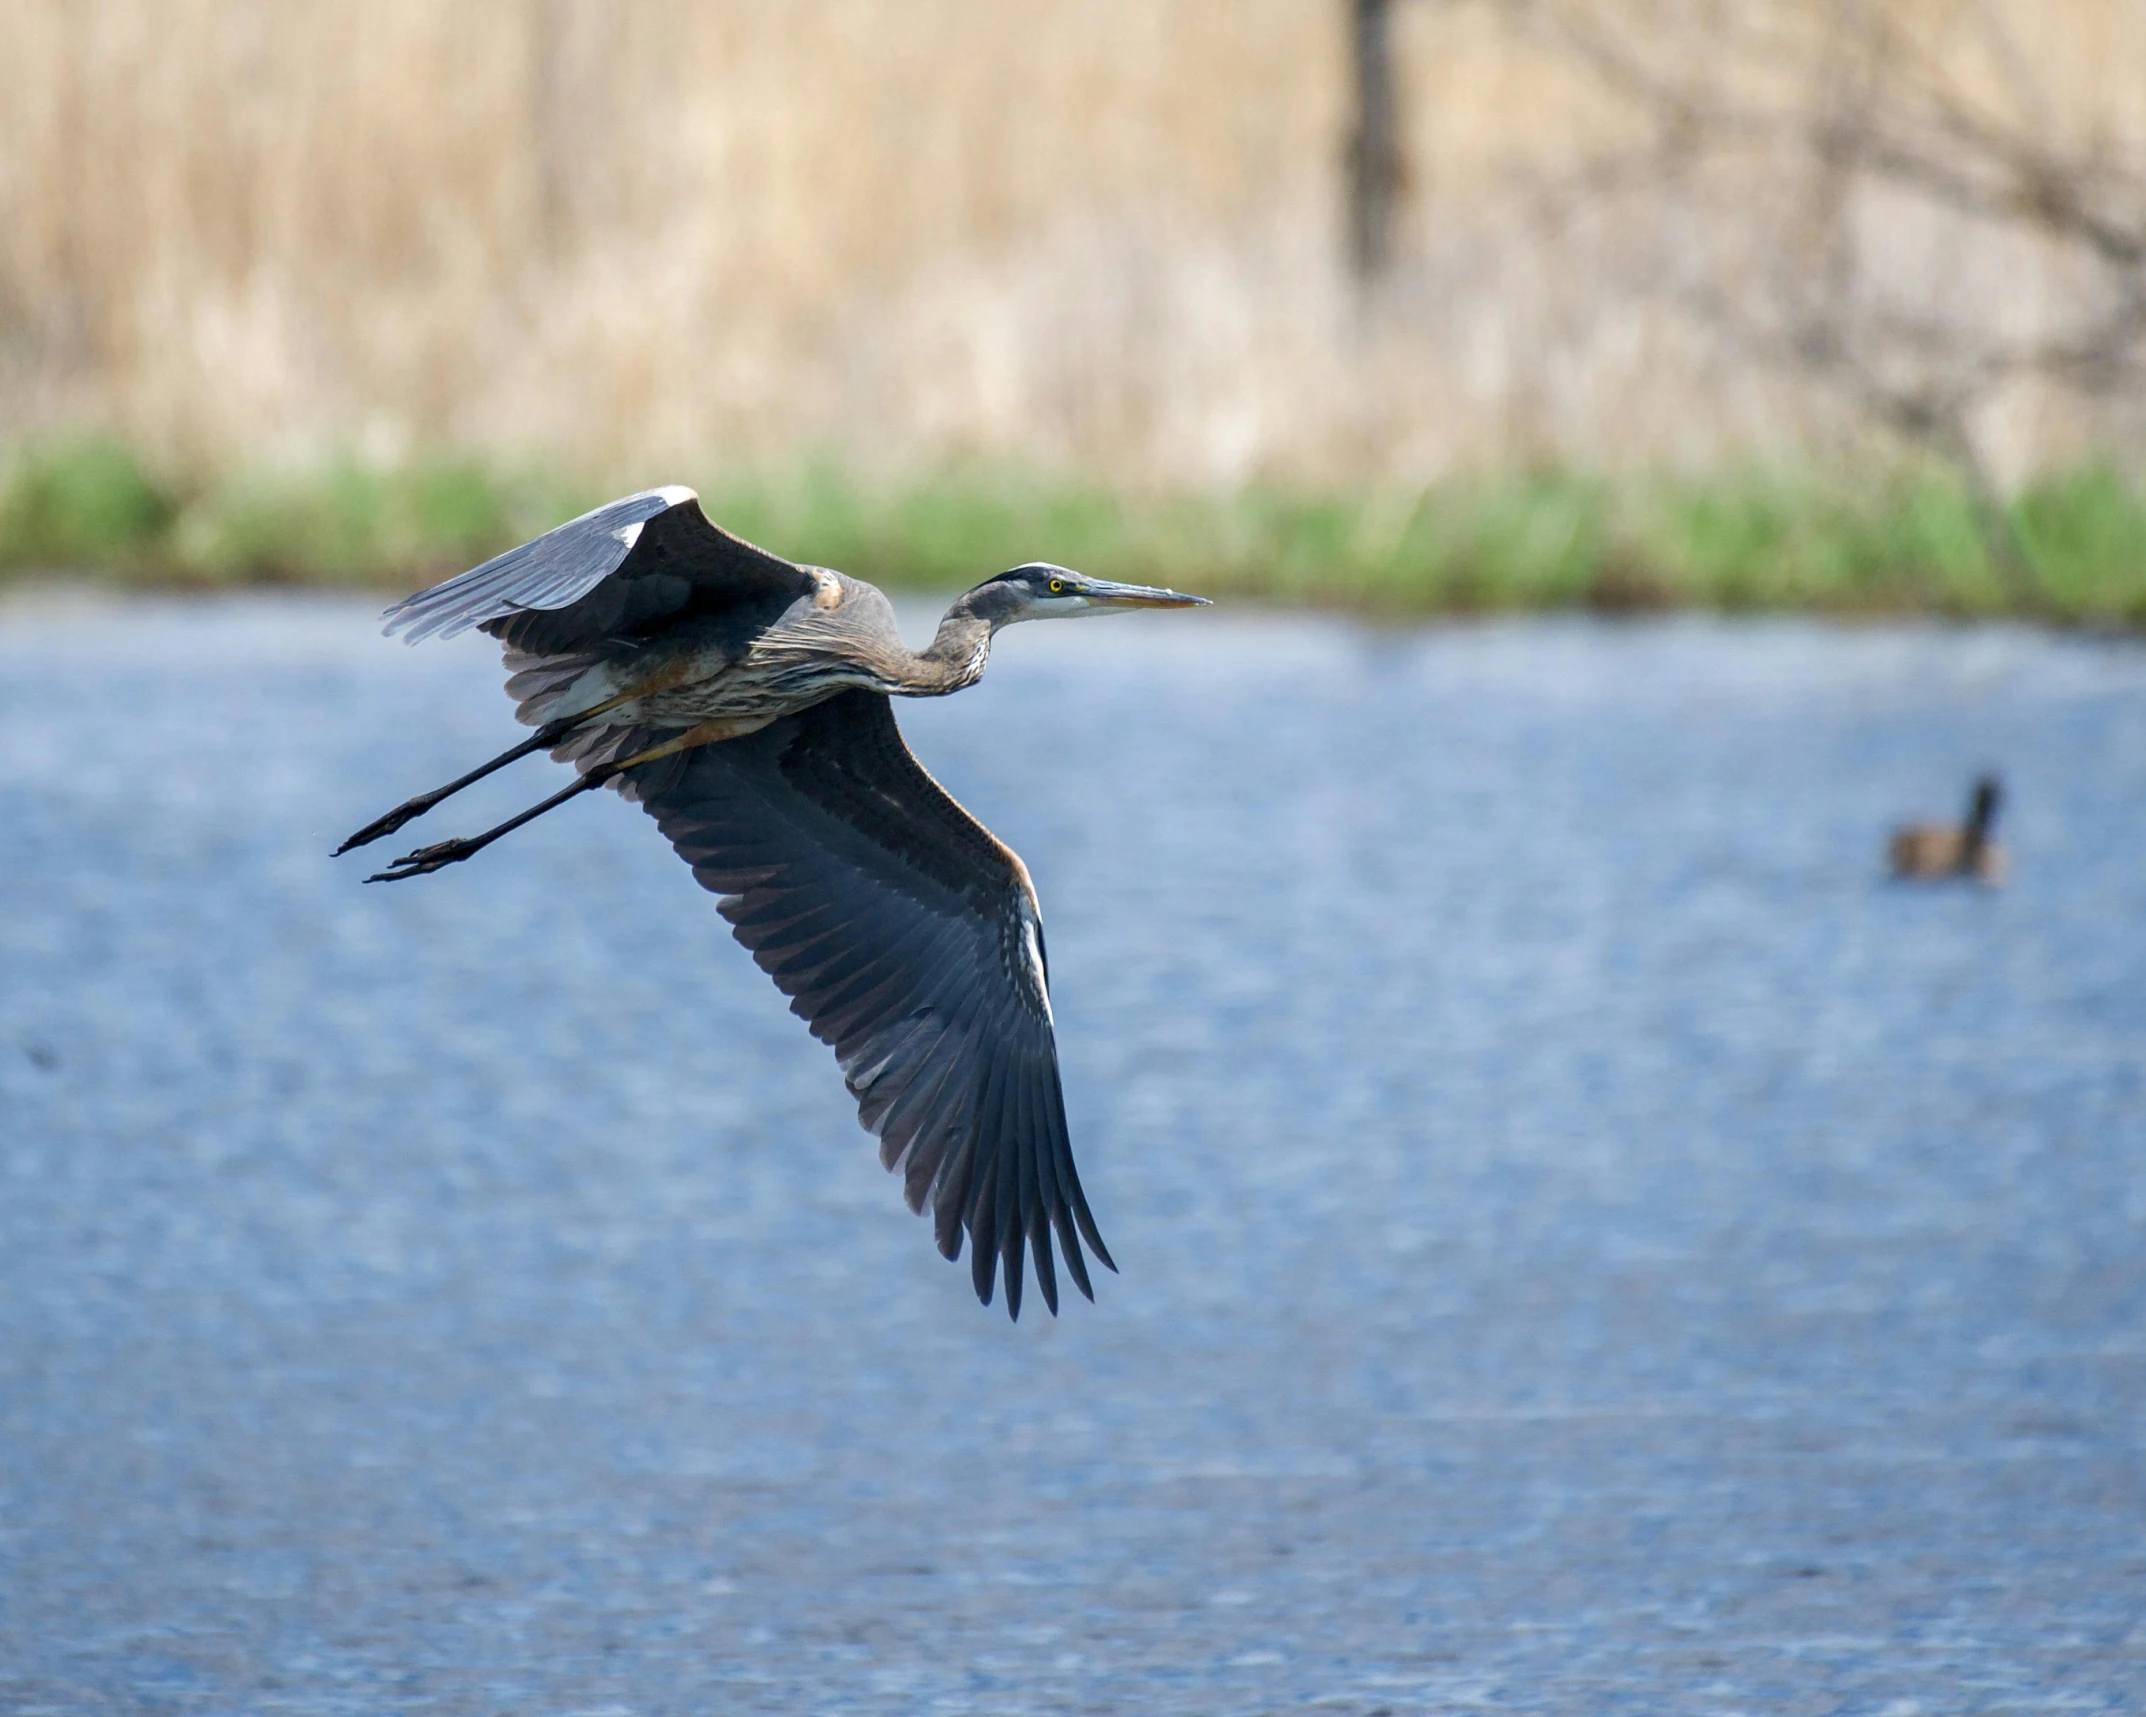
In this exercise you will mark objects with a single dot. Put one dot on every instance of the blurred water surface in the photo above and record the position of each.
(1589, 1244)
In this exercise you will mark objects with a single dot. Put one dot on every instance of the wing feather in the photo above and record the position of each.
(1008, 1165)
(1035, 1168)
(907, 938)
(981, 1205)
(915, 1122)
(622, 571)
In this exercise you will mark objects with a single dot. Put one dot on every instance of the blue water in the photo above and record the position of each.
(1590, 1245)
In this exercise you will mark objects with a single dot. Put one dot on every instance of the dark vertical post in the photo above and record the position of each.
(1374, 154)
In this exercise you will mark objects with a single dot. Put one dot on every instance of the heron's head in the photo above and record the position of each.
(1041, 591)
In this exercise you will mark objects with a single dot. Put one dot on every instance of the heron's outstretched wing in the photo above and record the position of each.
(616, 573)
(910, 941)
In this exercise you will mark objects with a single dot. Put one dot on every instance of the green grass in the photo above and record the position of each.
(80, 503)
(1745, 541)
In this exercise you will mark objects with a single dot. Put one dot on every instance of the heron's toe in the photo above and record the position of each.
(425, 859)
(387, 825)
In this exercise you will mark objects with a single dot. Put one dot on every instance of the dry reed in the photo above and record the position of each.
(649, 239)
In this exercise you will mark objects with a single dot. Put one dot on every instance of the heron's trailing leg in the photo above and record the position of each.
(548, 735)
(542, 740)
(445, 853)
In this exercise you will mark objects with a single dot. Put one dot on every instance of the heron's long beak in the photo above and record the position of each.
(1101, 593)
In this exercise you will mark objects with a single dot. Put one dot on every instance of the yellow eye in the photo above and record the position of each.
(1057, 585)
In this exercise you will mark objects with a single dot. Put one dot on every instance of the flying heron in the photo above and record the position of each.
(742, 701)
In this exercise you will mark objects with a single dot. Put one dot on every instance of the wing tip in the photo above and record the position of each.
(990, 1266)
(416, 628)
(457, 604)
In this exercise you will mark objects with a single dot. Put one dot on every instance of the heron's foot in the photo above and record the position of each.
(428, 859)
(387, 825)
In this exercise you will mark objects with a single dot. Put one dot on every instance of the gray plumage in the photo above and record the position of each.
(571, 586)
(742, 701)
(910, 940)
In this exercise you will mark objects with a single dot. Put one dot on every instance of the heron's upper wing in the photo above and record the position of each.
(620, 571)
(909, 939)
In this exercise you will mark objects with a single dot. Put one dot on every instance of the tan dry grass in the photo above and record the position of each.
(1098, 235)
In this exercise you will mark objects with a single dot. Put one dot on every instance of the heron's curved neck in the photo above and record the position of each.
(954, 658)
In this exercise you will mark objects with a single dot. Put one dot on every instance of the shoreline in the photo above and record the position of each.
(2068, 551)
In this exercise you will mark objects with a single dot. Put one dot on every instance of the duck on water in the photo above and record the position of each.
(1927, 852)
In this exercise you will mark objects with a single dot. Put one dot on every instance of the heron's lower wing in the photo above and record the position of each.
(622, 571)
(908, 938)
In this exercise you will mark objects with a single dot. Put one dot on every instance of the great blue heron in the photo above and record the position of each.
(1928, 851)
(742, 700)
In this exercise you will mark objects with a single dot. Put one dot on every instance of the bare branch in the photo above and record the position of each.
(1824, 141)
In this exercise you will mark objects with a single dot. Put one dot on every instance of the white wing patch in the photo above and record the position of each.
(1032, 952)
(674, 495)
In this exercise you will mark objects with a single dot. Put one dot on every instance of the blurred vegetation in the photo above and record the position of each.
(80, 503)
(1910, 542)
